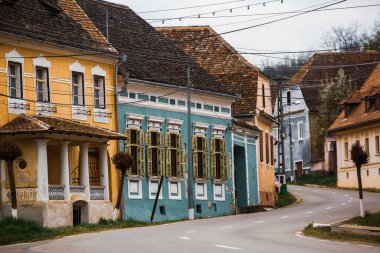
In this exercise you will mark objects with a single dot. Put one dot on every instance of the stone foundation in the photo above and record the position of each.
(57, 214)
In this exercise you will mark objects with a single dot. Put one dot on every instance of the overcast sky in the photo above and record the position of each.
(295, 34)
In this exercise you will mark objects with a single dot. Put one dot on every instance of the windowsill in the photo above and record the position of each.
(155, 178)
(135, 177)
(219, 181)
(200, 180)
(174, 179)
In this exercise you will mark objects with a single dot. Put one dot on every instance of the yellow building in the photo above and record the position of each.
(359, 122)
(57, 101)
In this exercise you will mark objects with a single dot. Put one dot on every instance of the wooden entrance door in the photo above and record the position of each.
(299, 168)
(93, 166)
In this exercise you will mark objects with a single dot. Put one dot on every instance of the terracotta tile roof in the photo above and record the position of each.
(322, 66)
(220, 59)
(59, 22)
(27, 124)
(150, 56)
(358, 117)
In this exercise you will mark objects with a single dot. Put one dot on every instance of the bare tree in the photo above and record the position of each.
(342, 38)
(123, 162)
(359, 156)
(10, 151)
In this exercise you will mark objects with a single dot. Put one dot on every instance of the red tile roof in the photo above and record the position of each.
(27, 124)
(220, 59)
(358, 117)
(320, 67)
(60, 22)
(150, 55)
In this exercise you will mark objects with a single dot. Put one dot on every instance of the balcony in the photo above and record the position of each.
(97, 193)
(56, 192)
(77, 189)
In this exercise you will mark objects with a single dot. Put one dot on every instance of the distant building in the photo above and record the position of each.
(320, 68)
(296, 121)
(359, 122)
(221, 60)
(58, 88)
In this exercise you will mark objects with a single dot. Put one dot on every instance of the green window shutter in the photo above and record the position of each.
(140, 161)
(149, 149)
(223, 171)
(168, 162)
(205, 165)
(179, 164)
(195, 164)
(213, 165)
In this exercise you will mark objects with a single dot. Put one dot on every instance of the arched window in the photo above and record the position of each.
(263, 94)
(288, 98)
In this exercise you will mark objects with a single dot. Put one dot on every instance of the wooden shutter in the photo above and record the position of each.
(168, 162)
(212, 146)
(179, 141)
(149, 150)
(194, 143)
(222, 146)
(213, 165)
(148, 138)
(205, 165)
(167, 140)
(140, 161)
(127, 147)
(179, 163)
(195, 164)
(223, 172)
(205, 144)
(161, 161)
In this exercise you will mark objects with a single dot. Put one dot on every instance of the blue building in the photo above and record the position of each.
(152, 111)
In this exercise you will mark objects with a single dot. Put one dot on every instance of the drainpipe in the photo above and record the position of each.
(121, 59)
(233, 169)
(246, 166)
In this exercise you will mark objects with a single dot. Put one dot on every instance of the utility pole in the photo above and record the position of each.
(291, 145)
(281, 137)
(189, 148)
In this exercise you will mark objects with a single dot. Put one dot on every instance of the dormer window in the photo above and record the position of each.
(348, 109)
(371, 103)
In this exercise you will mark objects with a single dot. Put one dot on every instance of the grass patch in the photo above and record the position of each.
(325, 233)
(285, 199)
(370, 219)
(21, 230)
(329, 181)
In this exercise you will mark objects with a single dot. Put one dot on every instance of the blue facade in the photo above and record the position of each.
(140, 209)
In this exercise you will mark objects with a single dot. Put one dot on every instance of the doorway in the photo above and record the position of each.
(240, 177)
(299, 168)
(80, 212)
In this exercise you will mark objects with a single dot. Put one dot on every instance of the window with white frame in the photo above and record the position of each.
(78, 88)
(42, 84)
(99, 92)
(15, 80)
(200, 156)
(300, 130)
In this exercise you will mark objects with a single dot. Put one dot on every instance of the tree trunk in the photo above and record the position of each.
(116, 213)
(358, 171)
(12, 187)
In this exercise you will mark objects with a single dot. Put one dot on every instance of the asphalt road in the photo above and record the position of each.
(275, 231)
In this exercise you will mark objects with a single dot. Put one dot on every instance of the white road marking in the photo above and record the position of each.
(184, 238)
(225, 247)
(284, 217)
(328, 208)
(226, 227)
(351, 198)
(367, 246)
(257, 222)
(343, 204)
(309, 212)
(333, 192)
(346, 195)
(190, 232)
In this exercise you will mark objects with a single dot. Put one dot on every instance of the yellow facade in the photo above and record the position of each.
(265, 124)
(368, 137)
(59, 59)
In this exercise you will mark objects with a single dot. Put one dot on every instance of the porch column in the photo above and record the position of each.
(84, 171)
(3, 180)
(64, 169)
(103, 167)
(42, 171)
